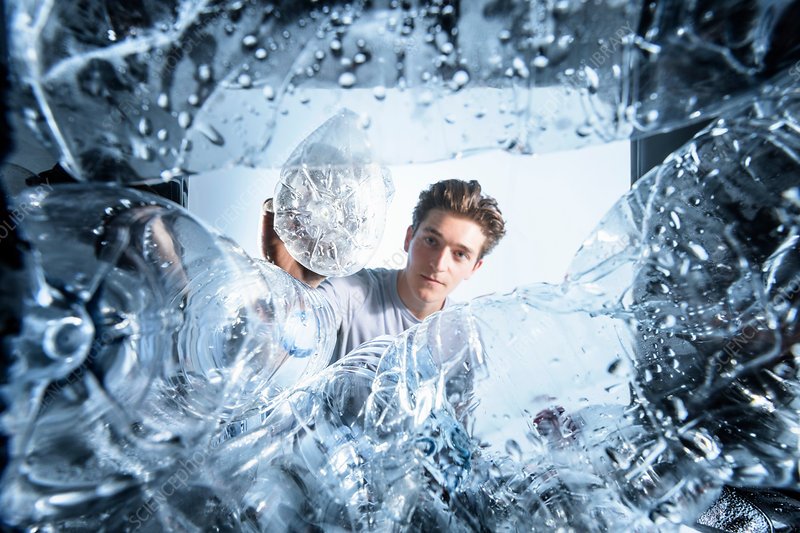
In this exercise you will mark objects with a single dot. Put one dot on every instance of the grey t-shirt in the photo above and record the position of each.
(366, 305)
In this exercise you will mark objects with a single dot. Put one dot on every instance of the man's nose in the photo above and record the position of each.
(439, 260)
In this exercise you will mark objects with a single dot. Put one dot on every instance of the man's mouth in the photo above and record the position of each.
(432, 280)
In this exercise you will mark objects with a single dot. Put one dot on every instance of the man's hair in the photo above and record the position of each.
(463, 198)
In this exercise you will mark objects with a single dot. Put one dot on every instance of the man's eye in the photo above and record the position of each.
(430, 240)
(462, 255)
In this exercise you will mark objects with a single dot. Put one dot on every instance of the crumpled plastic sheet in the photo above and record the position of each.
(154, 89)
(162, 380)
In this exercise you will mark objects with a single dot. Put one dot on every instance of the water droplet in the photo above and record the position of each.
(584, 130)
(249, 41)
(260, 54)
(184, 119)
(319, 55)
(336, 45)
(676, 221)
(163, 101)
(359, 59)
(347, 80)
(504, 36)
(269, 92)
(699, 251)
(204, 72)
(540, 61)
(162, 134)
(145, 127)
(520, 68)
(669, 321)
(245, 80)
(193, 100)
(446, 48)
(143, 152)
(592, 79)
(379, 92)
(460, 78)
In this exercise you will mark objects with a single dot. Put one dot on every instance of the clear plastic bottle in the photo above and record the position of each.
(147, 331)
(332, 199)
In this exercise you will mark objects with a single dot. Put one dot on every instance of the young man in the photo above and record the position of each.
(454, 226)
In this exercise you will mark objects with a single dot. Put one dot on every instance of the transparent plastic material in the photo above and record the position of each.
(663, 367)
(143, 331)
(147, 91)
(162, 380)
(174, 396)
(332, 199)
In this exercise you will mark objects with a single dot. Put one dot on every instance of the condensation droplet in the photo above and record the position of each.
(584, 130)
(145, 127)
(163, 101)
(347, 80)
(460, 78)
(540, 61)
(379, 92)
(699, 251)
(245, 80)
(269, 92)
(592, 79)
(204, 72)
(249, 41)
(260, 53)
(520, 68)
(675, 219)
(162, 134)
(184, 119)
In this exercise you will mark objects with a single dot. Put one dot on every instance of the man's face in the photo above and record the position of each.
(443, 252)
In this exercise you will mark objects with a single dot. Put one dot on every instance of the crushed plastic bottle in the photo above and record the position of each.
(332, 199)
(142, 336)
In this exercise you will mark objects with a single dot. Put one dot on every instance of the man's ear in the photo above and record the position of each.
(409, 234)
(475, 268)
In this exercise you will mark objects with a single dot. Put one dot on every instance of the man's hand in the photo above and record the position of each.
(274, 250)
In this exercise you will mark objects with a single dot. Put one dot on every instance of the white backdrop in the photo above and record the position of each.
(551, 203)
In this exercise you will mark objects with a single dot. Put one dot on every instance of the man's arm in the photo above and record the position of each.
(274, 250)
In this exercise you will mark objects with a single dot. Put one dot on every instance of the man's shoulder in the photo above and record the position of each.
(365, 276)
(359, 285)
